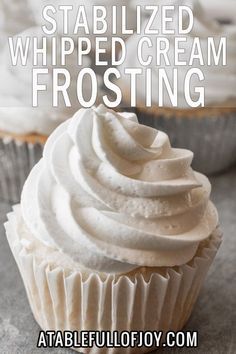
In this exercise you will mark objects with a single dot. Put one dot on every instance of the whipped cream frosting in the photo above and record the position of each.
(204, 26)
(16, 112)
(113, 195)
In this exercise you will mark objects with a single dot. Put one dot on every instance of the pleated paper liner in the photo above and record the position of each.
(17, 158)
(70, 299)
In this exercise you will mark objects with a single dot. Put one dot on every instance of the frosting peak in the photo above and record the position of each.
(113, 195)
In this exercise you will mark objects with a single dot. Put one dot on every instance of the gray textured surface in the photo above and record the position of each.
(214, 316)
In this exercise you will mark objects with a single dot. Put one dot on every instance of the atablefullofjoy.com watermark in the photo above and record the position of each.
(115, 339)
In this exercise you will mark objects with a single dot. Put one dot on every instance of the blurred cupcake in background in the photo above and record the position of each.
(15, 16)
(222, 11)
(210, 131)
(24, 128)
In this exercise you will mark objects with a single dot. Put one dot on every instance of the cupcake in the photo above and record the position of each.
(115, 231)
(198, 129)
(23, 128)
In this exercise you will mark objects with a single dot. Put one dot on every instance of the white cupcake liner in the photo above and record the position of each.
(17, 159)
(66, 299)
(211, 138)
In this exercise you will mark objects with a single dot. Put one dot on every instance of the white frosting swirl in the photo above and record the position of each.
(214, 76)
(113, 195)
(16, 112)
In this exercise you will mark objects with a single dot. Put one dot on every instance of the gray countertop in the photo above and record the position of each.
(214, 316)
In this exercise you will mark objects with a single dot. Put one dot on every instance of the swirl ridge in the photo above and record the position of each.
(114, 195)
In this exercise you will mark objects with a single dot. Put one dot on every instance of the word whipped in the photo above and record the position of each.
(103, 35)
